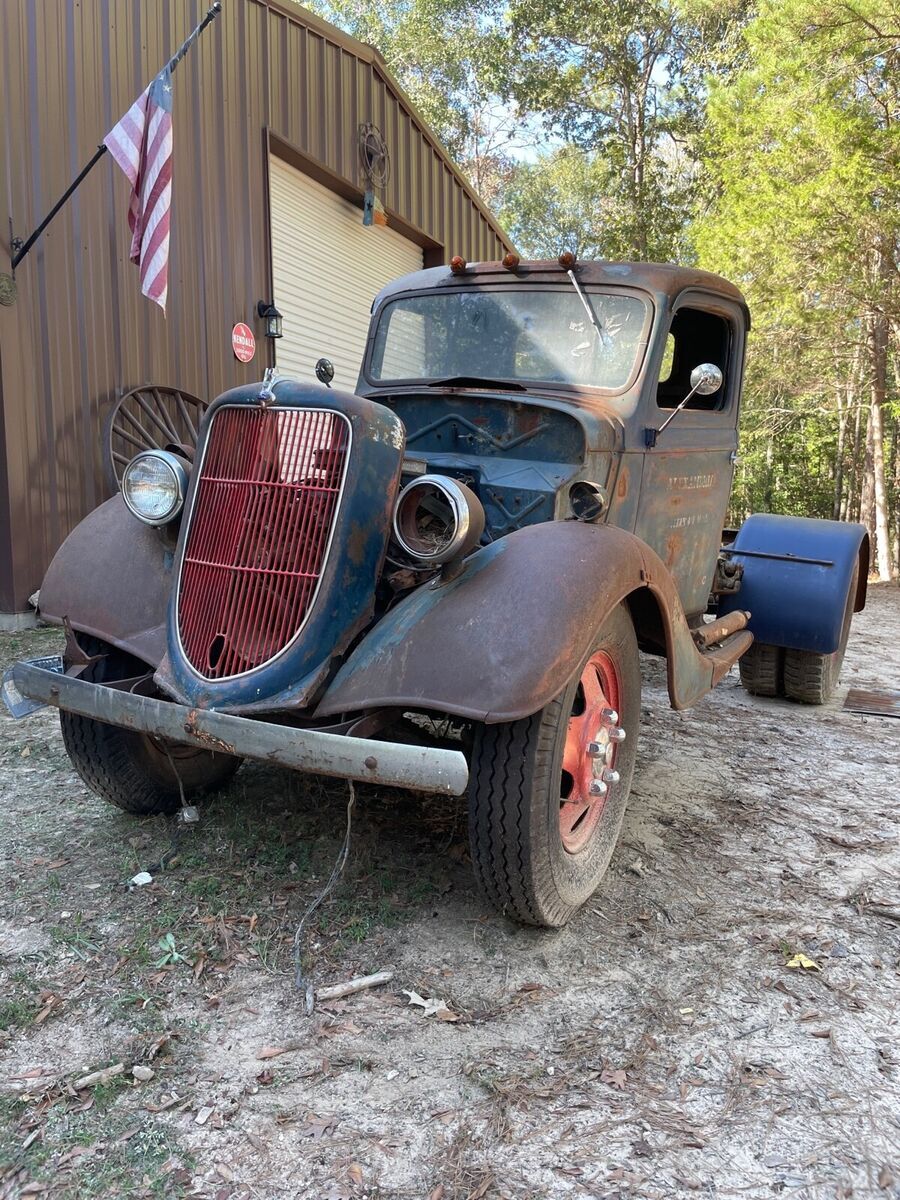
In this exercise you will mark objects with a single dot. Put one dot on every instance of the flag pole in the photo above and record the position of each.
(21, 248)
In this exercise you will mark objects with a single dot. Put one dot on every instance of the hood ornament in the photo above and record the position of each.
(267, 395)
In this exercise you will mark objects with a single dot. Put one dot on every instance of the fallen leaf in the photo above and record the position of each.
(615, 1079)
(801, 960)
(317, 1128)
(432, 1007)
(885, 1178)
(51, 1001)
(272, 1051)
(264, 1078)
(356, 1173)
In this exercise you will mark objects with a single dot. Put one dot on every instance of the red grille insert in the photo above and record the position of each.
(262, 517)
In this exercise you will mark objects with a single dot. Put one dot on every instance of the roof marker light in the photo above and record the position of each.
(511, 261)
(457, 264)
(567, 260)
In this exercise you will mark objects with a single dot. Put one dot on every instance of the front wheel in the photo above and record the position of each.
(548, 793)
(136, 771)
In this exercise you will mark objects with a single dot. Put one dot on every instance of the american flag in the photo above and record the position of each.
(141, 144)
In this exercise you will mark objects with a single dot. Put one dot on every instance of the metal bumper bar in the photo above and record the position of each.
(419, 768)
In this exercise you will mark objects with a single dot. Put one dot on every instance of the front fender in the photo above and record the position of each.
(111, 577)
(500, 640)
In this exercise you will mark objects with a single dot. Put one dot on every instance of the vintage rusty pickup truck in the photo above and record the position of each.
(443, 581)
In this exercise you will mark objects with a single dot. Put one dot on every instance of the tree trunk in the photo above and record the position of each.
(878, 347)
(843, 418)
(867, 491)
(851, 510)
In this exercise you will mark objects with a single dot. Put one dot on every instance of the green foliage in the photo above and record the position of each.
(802, 143)
(449, 55)
(761, 140)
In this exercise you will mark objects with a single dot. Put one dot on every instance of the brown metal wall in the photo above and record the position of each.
(80, 333)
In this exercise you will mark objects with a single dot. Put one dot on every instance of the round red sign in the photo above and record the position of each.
(243, 343)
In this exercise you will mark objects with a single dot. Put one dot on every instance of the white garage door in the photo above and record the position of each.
(327, 268)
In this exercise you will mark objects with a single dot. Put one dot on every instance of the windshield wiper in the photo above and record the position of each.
(476, 381)
(589, 309)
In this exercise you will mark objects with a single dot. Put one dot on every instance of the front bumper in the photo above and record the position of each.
(419, 768)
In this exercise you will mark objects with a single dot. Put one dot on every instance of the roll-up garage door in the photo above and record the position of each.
(327, 268)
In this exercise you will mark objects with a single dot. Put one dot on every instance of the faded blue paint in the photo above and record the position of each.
(346, 597)
(797, 604)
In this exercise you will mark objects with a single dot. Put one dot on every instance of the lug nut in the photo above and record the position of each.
(597, 788)
(609, 716)
(609, 776)
(617, 734)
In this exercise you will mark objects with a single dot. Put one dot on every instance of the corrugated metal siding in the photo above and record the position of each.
(80, 333)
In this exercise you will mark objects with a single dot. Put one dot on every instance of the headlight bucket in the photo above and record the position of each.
(437, 519)
(154, 485)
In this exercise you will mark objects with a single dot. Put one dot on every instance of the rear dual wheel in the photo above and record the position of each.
(801, 675)
(548, 793)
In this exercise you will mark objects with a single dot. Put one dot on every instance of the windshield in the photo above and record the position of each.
(540, 335)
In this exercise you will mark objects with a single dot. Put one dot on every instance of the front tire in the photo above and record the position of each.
(132, 770)
(540, 840)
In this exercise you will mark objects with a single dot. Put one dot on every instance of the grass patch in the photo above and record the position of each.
(15, 1014)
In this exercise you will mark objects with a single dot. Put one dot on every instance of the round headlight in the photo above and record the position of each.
(153, 486)
(437, 519)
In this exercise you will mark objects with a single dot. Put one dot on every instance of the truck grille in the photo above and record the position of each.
(260, 529)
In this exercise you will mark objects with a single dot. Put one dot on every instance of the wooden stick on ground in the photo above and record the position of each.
(96, 1077)
(353, 985)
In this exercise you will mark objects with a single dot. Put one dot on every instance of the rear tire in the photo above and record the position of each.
(540, 843)
(132, 770)
(762, 670)
(813, 678)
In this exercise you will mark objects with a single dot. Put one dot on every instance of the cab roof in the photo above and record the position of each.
(666, 278)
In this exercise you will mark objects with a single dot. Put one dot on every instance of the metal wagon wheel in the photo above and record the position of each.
(148, 418)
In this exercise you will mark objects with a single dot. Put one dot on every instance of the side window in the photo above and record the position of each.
(696, 337)
(665, 369)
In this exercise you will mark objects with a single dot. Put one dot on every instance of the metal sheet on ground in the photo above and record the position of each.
(876, 704)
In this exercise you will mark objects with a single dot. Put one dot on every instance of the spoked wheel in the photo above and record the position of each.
(548, 793)
(148, 418)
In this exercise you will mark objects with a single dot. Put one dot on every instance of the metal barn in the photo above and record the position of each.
(270, 108)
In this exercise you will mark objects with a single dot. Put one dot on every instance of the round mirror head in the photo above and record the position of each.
(325, 371)
(706, 379)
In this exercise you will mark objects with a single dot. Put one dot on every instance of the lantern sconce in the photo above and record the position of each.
(272, 318)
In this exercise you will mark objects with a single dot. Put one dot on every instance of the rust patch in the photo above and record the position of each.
(622, 487)
(208, 740)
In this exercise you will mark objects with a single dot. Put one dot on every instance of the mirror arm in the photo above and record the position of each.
(675, 411)
(651, 434)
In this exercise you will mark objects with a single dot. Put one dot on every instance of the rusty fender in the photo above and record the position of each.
(111, 577)
(500, 640)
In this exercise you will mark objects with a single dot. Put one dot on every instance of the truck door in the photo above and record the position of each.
(687, 475)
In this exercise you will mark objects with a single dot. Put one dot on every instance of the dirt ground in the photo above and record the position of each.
(666, 1044)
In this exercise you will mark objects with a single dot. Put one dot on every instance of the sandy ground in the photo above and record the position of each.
(661, 1046)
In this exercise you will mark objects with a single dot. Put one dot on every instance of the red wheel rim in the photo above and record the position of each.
(590, 752)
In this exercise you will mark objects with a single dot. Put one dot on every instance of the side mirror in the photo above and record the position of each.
(705, 379)
(325, 371)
